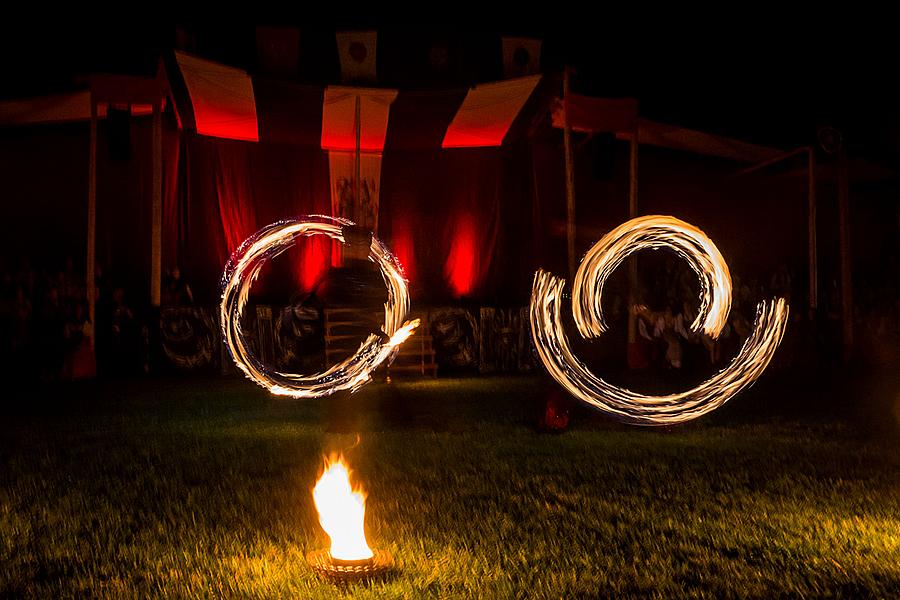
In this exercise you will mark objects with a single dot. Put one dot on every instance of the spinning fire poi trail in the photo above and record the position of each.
(242, 270)
(693, 245)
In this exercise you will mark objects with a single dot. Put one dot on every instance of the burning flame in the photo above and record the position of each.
(341, 511)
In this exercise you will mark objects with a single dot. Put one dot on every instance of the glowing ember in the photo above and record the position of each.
(244, 267)
(552, 345)
(342, 512)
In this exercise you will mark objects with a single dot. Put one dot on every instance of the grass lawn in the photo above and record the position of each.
(186, 488)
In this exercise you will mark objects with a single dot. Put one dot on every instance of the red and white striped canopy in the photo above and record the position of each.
(229, 103)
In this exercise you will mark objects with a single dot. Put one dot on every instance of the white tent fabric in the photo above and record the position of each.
(59, 108)
(339, 138)
(487, 112)
(339, 117)
(48, 109)
(222, 98)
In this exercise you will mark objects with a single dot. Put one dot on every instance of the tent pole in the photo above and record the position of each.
(811, 216)
(90, 264)
(846, 267)
(570, 177)
(357, 198)
(156, 195)
(813, 267)
(632, 213)
(772, 161)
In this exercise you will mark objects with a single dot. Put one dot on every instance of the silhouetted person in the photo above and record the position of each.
(303, 323)
(177, 291)
(79, 362)
(51, 335)
(125, 338)
(357, 284)
(670, 327)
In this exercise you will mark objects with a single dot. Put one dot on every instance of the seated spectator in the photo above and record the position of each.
(51, 335)
(176, 290)
(669, 327)
(79, 362)
(125, 335)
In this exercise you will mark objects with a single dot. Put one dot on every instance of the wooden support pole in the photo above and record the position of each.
(772, 161)
(811, 218)
(156, 217)
(632, 213)
(570, 178)
(357, 198)
(843, 182)
(811, 211)
(90, 264)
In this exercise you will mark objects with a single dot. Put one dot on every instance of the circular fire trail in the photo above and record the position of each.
(244, 267)
(693, 245)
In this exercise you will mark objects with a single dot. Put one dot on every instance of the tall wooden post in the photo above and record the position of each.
(357, 189)
(156, 223)
(632, 213)
(846, 266)
(813, 264)
(811, 217)
(90, 264)
(570, 177)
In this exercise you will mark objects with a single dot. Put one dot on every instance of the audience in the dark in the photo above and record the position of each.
(176, 290)
(46, 331)
(45, 327)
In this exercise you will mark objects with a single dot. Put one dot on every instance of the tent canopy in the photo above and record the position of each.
(217, 100)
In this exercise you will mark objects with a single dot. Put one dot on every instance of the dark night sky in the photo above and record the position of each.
(758, 78)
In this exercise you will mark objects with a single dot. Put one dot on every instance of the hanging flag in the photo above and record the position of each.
(357, 52)
(340, 120)
(521, 57)
(342, 167)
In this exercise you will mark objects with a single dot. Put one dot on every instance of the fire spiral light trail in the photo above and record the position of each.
(244, 267)
(625, 405)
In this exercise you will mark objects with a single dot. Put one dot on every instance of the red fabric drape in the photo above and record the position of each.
(472, 217)
(404, 247)
(461, 267)
(440, 212)
(237, 187)
(476, 220)
(234, 193)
